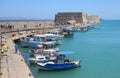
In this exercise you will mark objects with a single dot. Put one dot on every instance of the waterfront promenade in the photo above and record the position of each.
(13, 64)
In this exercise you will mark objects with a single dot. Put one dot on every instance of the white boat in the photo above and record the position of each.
(38, 58)
(56, 35)
(52, 50)
(35, 52)
(38, 39)
(42, 58)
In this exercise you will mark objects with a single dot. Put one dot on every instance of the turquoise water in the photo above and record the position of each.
(99, 50)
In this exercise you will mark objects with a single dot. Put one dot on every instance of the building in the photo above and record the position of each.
(71, 17)
(93, 19)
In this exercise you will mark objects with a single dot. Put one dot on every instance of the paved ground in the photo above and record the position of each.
(13, 65)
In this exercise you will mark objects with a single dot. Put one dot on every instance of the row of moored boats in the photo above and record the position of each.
(44, 53)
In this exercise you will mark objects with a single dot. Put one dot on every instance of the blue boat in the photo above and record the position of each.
(60, 63)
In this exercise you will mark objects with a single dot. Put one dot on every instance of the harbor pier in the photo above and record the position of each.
(13, 64)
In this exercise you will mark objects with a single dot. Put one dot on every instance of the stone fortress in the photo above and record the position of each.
(76, 18)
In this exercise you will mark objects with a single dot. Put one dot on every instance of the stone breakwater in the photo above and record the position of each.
(35, 26)
(26, 24)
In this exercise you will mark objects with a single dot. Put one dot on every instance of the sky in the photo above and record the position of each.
(46, 9)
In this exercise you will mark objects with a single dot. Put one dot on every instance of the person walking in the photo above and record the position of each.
(16, 48)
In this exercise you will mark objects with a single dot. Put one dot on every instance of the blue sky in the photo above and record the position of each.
(46, 9)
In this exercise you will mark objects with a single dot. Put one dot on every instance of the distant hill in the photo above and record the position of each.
(21, 18)
(12, 18)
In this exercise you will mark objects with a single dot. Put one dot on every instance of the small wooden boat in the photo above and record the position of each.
(60, 64)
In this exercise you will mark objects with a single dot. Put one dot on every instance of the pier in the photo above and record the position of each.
(12, 64)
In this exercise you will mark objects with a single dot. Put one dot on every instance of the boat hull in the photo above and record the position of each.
(35, 43)
(29, 43)
(59, 66)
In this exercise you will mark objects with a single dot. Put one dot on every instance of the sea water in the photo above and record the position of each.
(98, 48)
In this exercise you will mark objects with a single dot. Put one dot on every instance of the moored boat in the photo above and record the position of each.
(67, 32)
(56, 66)
(41, 59)
(43, 49)
(39, 39)
(61, 63)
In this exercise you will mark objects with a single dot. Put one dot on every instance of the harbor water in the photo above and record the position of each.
(98, 48)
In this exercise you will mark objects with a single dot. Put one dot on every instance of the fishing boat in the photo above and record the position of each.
(67, 32)
(40, 54)
(38, 39)
(41, 58)
(60, 64)
(42, 49)
(38, 58)
(54, 35)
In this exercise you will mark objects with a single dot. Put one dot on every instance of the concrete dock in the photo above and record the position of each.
(13, 65)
